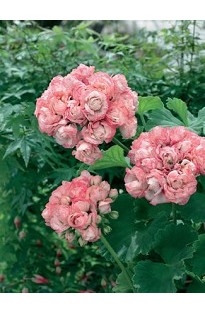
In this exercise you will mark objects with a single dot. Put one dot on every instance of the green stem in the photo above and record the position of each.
(174, 213)
(116, 141)
(143, 121)
(119, 263)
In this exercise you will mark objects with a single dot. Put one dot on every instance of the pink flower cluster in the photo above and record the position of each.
(84, 109)
(166, 164)
(76, 207)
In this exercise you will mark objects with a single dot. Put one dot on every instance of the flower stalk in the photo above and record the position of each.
(119, 263)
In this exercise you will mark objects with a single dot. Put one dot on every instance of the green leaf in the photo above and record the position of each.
(194, 210)
(162, 117)
(197, 263)
(179, 107)
(25, 150)
(123, 229)
(122, 285)
(147, 103)
(113, 157)
(12, 147)
(173, 243)
(146, 233)
(196, 287)
(153, 277)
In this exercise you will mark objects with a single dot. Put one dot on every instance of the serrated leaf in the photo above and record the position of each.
(12, 147)
(123, 229)
(180, 108)
(122, 285)
(147, 103)
(113, 157)
(197, 263)
(162, 117)
(153, 277)
(173, 243)
(25, 150)
(195, 209)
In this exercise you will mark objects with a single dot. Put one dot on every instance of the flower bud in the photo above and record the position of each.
(114, 215)
(17, 222)
(103, 283)
(58, 270)
(39, 279)
(57, 263)
(25, 290)
(113, 193)
(22, 235)
(107, 229)
(70, 237)
(58, 253)
(2, 278)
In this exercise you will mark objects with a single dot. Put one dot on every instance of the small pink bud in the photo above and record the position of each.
(58, 253)
(39, 243)
(2, 278)
(103, 283)
(17, 222)
(58, 270)
(25, 290)
(39, 279)
(57, 262)
(113, 193)
(69, 236)
(22, 235)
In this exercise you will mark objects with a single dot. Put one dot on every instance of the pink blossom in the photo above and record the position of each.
(135, 182)
(83, 72)
(128, 130)
(180, 186)
(166, 164)
(74, 112)
(87, 152)
(120, 83)
(104, 206)
(67, 136)
(98, 132)
(79, 220)
(113, 193)
(91, 234)
(102, 82)
(95, 105)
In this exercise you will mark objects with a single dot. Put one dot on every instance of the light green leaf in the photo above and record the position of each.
(147, 103)
(162, 117)
(122, 285)
(180, 108)
(195, 208)
(154, 277)
(25, 150)
(173, 243)
(113, 157)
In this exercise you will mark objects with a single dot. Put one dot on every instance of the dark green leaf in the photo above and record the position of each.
(113, 157)
(173, 243)
(196, 287)
(153, 277)
(194, 210)
(179, 107)
(25, 150)
(149, 103)
(198, 261)
(123, 229)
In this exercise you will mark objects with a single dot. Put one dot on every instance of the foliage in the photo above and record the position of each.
(166, 69)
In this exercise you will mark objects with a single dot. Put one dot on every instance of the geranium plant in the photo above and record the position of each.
(152, 225)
